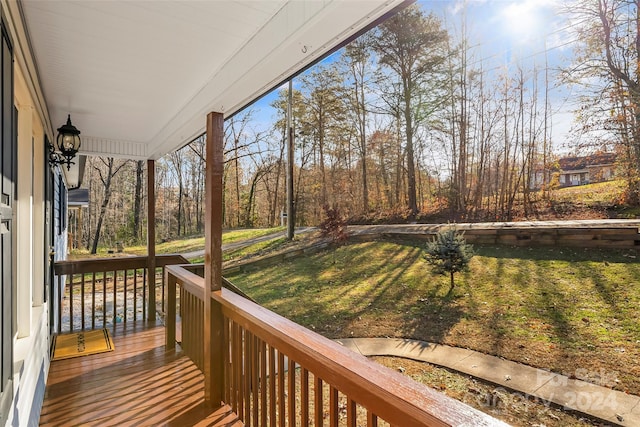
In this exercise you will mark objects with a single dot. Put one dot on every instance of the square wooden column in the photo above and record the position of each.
(151, 237)
(213, 321)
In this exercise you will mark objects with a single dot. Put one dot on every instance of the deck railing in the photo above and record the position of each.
(94, 293)
(276, 372)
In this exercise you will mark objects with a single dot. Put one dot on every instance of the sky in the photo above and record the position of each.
(511, 31)
(505, 32)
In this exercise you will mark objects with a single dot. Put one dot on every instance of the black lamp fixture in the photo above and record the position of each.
(66, 145)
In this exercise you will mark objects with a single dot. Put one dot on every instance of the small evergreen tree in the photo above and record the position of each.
(449, 253)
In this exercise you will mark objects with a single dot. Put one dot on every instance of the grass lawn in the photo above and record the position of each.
(601, 193)
(572, 311)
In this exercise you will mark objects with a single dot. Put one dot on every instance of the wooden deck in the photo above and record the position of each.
(140, 383)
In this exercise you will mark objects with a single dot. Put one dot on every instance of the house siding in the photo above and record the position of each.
(40, 217)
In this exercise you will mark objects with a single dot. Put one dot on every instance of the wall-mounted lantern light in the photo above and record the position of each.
(66, 145)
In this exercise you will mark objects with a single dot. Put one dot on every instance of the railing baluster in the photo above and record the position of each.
(351, 412)
(135, 294)
(104, 299)
(372, 419)
(188, 326)
(239, 368)
(60, 294)
(185, 321)
(93, 300)
(226, 337)
(281, 393)
(82, 315)
(255, 378)
(304, 397)
(195, 345)
(233, 401)
(197, 333)
(126, 281)
(193, 332)
(247, 374)
(162, 279)
(272, 386)
(291, 395)
(170, 328)
(318, 408)
(199, 338)
(70, 282)
(115, 296)
(333, 406)
(263, 383)
(144, 293)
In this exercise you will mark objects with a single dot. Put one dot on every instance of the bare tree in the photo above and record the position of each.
(324, 108)
(410, 44)
(609, 64)
(106, 177)
(358, 62)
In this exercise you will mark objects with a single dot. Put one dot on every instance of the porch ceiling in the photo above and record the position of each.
(138, 77)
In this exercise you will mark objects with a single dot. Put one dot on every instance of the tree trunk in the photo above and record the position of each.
(411, 171)
(237, 181)
(452, 284)
(274, 206)
(106, 182)
(248, 220)
(137, 200)
(103, 207)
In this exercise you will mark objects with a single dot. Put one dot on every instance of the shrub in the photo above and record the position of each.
(334, 226)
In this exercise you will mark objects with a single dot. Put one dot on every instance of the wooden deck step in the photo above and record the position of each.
(139, 383)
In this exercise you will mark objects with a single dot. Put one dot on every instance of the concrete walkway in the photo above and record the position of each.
(244, 243)
(611, 406)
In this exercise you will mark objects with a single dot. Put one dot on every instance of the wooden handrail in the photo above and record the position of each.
(110, 264)
(191, 282)
(383, 392)
(199, 270)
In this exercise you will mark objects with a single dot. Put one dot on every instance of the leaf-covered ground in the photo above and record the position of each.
(513, 408)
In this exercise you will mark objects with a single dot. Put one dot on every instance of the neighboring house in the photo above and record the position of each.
(587, 169)
(536, 179)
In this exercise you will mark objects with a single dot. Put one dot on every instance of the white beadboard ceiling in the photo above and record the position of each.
(139, 76)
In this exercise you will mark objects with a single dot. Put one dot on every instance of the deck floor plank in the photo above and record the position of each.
(139, 383)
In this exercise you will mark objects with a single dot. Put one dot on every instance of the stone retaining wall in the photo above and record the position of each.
(584, 234)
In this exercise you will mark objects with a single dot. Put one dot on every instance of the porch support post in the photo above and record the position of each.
(151, 238)
(213, 321)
